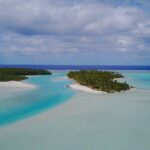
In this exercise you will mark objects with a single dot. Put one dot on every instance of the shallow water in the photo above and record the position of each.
(138, 79)
(117, 121)
(15, 105)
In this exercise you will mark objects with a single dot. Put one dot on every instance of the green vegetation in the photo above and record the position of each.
(18, 74)
(100, 80)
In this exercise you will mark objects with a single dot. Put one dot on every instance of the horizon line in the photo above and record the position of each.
(66, 65)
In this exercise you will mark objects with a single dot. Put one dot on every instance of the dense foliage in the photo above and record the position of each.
(100, 80)
(18, 74)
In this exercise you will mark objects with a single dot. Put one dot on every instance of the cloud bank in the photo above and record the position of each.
(74, 32)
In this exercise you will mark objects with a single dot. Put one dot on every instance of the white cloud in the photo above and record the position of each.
(51, 27)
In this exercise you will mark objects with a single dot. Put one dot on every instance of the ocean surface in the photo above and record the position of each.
(81, 67)
(59, 118)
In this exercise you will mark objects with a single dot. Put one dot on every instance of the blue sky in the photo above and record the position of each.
(78, 32)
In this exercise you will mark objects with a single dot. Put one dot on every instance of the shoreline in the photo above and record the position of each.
(84, 121)
(17, 84)
(78, 87)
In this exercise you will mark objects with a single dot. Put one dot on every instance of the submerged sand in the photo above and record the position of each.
(118, 121)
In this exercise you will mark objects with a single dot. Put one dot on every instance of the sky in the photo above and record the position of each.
(75, 32)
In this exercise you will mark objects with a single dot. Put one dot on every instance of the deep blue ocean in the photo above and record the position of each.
(80, 67)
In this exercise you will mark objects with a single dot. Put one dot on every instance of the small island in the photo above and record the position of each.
(99, 80)
(19, 74)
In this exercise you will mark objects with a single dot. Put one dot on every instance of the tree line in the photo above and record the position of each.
(18, 74)
(100, 80)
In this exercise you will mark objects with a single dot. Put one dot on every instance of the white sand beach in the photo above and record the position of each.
(17, 84)
(78, 87)
(7, 89)
(82, 88)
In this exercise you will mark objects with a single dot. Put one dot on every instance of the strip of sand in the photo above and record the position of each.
(82, 88)
(17, 84)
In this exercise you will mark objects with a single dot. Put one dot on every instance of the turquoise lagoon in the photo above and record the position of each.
(139, 79)
(117, 121)
(50, 92)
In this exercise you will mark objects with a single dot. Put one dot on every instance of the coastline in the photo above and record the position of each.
(119, 119)
(17, 84)
(79, 87)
